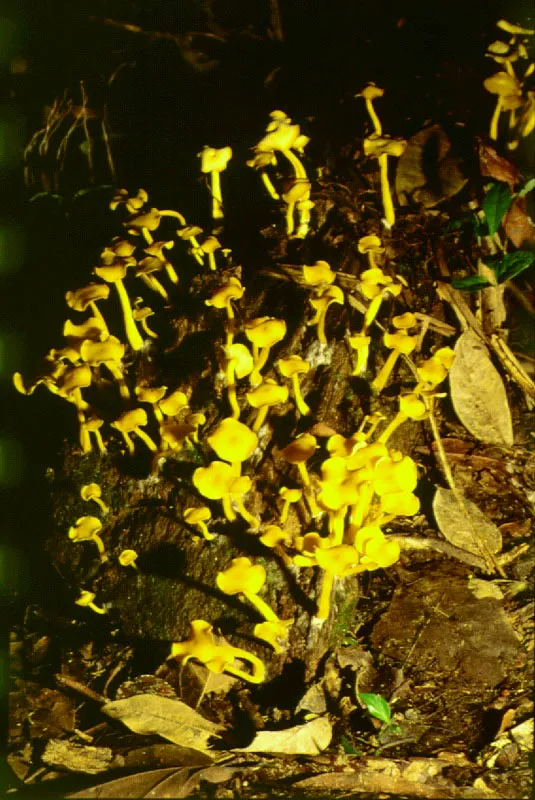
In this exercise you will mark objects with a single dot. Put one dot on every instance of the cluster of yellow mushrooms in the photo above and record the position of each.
(359, 486)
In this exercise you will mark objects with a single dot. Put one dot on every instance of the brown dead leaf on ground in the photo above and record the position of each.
(518, 225)
(478, 393)
(308, 739)
(467, 528)
(493, 165)
(172, 719)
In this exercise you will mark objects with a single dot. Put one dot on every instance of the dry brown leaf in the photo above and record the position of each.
(478, 393)
(308, 739)
(518, 225)
(158, 783)
(465, 532)
(495, 166)
(313, 701)
(485, 589)
(73, 757)
(419, 777)
(172, 719)
(428, 172)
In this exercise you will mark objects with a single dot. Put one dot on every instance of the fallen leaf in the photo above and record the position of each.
(63, 754)
(172, 719)
(495, 166)
(307, 740)
(313, 701)
(518, 225)
(478, 393)
(158, 783)
(475, 533)
(485, 589)
(428, 172)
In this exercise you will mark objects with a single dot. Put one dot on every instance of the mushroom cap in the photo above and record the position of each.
(404, 504)
(400, 341)
(85, 528)
(112, 273)
(394, 473)
(268, 393)
(262, 159)
(503, 84)
(319, 273)
(188, 231)
(74, 378)
(273, 632)
(332, 294)
(370, 244)
(150, 220)
(90, 490)
(214, 480)
(156, 248)
(301, 449)
(241, 577)
(214, 160)
(432, 371)
(95, 353)
(339, 559)
(148, 265)
(281, 135)
(359, 340)
(412, 406)
(404, 321)
(150, 394)
(291, 495)
(173, 403)
(273, 535)
(86, 598)
(446, 356)
(196, 514)
(232, 290)
(127, 557)
(241, 357)
(375, 145)
(79, 299)
(265, 331)
(130, 420)
(371, 91)
(367, 455)
(297, 191)
(294, 365)
(233, 441)
(210, 244)
(93, 328)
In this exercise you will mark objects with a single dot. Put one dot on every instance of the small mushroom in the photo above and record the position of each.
(198, 517)
(267, 394)
(128, 558)
(233, 441)
(263, 333)
(131, 422)
(291, 368)
(92, 491)
(87, 529)
(115, 275)
(214, 162)
(86, 599)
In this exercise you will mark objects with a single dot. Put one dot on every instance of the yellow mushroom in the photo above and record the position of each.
(291, 368)
(198, 517)
(399, 343)
(189, 233)
(115, 274)
(319, 274)
(233, 441)
(131, 422)
(88, 297)
(152, 395)
(156, 249)
(289, 496)
(222, 298)
(260, 161)
(320, 303)
(87, 529)
(371, 245)
(141, 314)
(213, 162)
(339, 561)
(238, 364)
(245, 578)
(214, 482)
(298, 452)
(146, 269)
(128, 558)
(263, 333)
(202, 646)
(209, 246)
(297, 194)
(410, 407)
(262, 397)
(109, 353)
(86, 599)
(132, 204)
(92, 491)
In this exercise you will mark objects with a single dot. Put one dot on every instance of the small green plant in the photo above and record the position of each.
(380, 709)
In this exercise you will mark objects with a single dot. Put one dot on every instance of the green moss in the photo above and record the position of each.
(344, 622)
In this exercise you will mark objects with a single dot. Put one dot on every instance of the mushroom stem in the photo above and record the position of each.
(227, 508)
(260, 418)
(299, 169)
(373, 116)
(269, 186)
(378, 384)
(324, 603)
(257, 675)
(217, 197)
(132, 333)
(253, 522)
(146, 438)
(388, 205)
(231, 386)
(262, 607)
(493, 133)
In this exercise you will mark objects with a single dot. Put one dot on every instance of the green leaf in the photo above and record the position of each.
(473, 283)
(529, 186)
(348, 747)
(512, 264)
(377, 706)
(496, 204)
